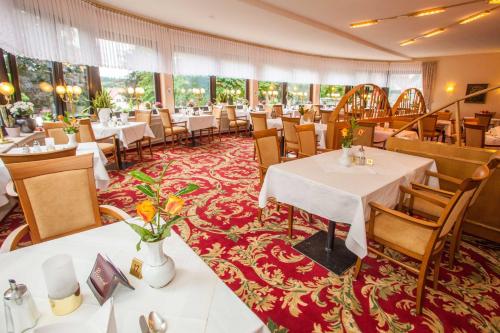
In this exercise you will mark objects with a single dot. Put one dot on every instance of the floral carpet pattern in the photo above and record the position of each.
(288, 291)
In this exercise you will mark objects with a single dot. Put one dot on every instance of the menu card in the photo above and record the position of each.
(104, 278)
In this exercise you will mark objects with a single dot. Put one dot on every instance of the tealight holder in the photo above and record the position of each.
(62, 286)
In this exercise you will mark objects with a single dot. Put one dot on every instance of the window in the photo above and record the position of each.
(298, 93)
(270, 92)
(116, 82)
(231, 91)
(35, 80)
(330, 95)
(400, 82)
(191, 90)
(76, 75)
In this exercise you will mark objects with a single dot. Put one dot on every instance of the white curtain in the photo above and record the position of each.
(78, 32)
(428, 78)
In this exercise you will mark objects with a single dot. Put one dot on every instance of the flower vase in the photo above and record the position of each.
(345, 159)
(13, 132)
(27, 124)
(158, 269)
(71, 140)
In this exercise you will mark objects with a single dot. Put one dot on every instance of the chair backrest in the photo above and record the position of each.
(166, 118)
(429, 123)
(474, 135)
(492, 165)
(325, 115)
(58, 197)
(457, 205)
(278, 110)
(483, 119)
(217, 112)
(259, 121)
(21, 158)
(143, 116)
(306, 135)
(309, 115)
(444, 115)
(397, 124)
(268, 149)
(86, 133)
(56, 130)
(289, 129)
(364, 134)
(231, 112)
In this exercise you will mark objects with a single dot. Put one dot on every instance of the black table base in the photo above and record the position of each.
(328, 251)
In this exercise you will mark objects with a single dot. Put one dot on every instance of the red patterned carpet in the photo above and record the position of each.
(287, 290)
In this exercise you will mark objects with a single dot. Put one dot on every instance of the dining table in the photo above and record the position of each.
(195, 123)
(100, 173)
(492, 137)
(196, 300)
(321, 186)
(383, 133)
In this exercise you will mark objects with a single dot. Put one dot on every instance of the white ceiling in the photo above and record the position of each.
(322, 26)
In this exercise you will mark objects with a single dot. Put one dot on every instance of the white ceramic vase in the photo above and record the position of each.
(158, 269)
(13, 132)
(71, 140)
(124, 117)
(345, 159)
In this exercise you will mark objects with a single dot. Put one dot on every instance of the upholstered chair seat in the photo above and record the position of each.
(238, 122)
(175, 130)
(106, 147)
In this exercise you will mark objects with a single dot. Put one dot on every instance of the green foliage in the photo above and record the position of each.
(348, 133)
(102, 100)
(265, 86)
(326, 92)
(182, 85)
(225, 87)
(31, 73)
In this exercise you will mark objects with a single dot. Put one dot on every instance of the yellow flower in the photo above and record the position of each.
(146, 210)
(345, 131)
(174, 205)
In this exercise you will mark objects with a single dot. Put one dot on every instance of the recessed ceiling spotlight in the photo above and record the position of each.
(474, 17)
(363, 24)
(427, 12)
(433, 33)
(407, 42)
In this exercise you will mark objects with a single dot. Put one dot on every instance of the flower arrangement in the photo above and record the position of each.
(156, 206)
(103, 100)
(302, 110)
(348, 133)
(21, 109)
(70, 123)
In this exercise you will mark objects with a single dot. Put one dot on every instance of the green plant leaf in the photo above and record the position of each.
(165, 168)
(144, 233)
(138, 245)
(142, 177)
(147, 190)
(188, 189)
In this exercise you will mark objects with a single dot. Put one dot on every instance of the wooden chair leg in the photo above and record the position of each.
(172, 139)
(290, 221)
(435, 273)
(358, 267)
(115, 156)
(310, 218)
(421, 285)
(259, 215)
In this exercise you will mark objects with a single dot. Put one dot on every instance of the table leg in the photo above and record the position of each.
(327, 250)
(193, 143)
(118, 153)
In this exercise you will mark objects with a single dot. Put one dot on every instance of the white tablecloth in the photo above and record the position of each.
(382, 133)
(127, 134)
(195, 123)
(195, 301)
(446, 125)
(100, 172)
(321, 186)
(492, 137)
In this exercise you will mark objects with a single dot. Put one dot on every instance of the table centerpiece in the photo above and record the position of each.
(71, 128)
(347, 139)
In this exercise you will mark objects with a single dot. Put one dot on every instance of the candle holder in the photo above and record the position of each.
(7, 90)
(69, 95)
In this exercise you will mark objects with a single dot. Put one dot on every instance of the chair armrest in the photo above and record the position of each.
(384, 210)
(444, 177)
(10, 243)
(242, 118)
(10, 189)
(112, 136)
(301, 155)
(117, 213)
(422, 196)
(423, 187)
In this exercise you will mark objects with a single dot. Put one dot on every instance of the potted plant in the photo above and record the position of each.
(159, 212)
(71, 128)
(22, 112)
(12, 129)
(347, 138)
(103, 104)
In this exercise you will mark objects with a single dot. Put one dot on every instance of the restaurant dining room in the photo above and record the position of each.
(249, 166)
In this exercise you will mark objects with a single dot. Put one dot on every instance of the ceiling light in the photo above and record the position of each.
(474, 17)
(363, 24)
(494, 2)
(433, 33)
(407, 42)
(427, 12)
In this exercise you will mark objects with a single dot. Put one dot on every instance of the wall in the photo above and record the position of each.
(460, 70)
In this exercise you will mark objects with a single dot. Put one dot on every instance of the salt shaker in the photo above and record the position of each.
(36, 147)
(361, 156)
(21, 312)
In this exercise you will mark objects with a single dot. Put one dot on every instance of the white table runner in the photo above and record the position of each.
(195, 301)
(322, 187)
(127, 134)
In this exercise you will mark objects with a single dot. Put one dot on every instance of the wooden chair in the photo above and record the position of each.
(268, 153)
(234, 121)
(143, 116)
(309, 116)
(217, 113)
(432, 211)
(397, 124)
(56, 130)
(483, 119)
(444, 115)
(259, 123)
(308, 145)
(325, 115)
(277, 111)
(429, 127)
(291, 141)
(170, 129)
(474, 135)
(317, 112)
(364, 134)
(87, 135)
(58, 198)
(417, 238)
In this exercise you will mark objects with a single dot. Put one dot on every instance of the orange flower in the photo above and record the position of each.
(60, 118)
(146, 210)
(174, 205)
(345, 131)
